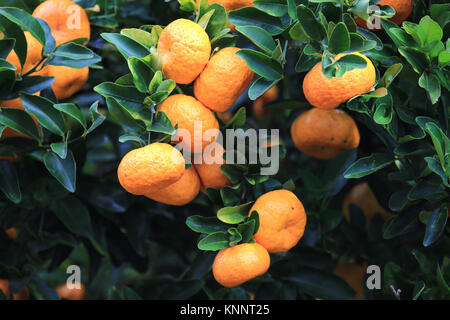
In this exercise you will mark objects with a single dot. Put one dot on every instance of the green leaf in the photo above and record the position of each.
(73, 111)
(339, 40)
(214, 241)
(143, 37)
(430, 82)
(428, 31)
(9, 181)
(312, 27)
(384, 110)
(6, 46)
(206, 225)
(435, 226)
(440, 140)
(162, 124)
(416, 58)
(444, 58)
(320, 284)
(435, 166)
(42, 108)
(60, 148)
(352, 61)
(142, 74)
(128, 96)
(296, 32)
(234, 215)
(155, 82)
(217, 22)
(423, 190)
(74, 215)
(238, 119)
(126, 46)
(64, 170)
(187, 5)
(390, 74)
(259, 86)
(368, 165)
(252, 16)
(73, 55)
(131, 137)
(418, 289)
(96, 117)
(261, 64)
(400, 224)
(166, 86)
(349, 22)
(13, 31)
(247, 230)
(204, 19)
(25, 21)
(359, 43)
(260, 37)
(31, 84)
(276, 8)
(20, 121)
(398, 200)
(123, 116)
(235, 236)
(371, 37)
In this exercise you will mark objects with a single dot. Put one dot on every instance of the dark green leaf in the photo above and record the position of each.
(261, 64)
(320, 284)
(233, 215)
(9, 181)
(435, 226)
(365, 166)
(42, 108)
(64, 170)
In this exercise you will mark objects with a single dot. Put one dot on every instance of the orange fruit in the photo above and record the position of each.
(15, 104)
(224, 79)
(67, 20)
(326, 93)
(403, 9)
(353, 274)
(235, 265)
(4, 286)
(324, 134)
(64, 292)
(150, 168)
(181, 192)
(12, 233)
(231, 5)
(258, 105)
(362, 196)
(34, 55)
(282, 220)
(211, 176)
(68, 81)
(194, 120)
(184, 49)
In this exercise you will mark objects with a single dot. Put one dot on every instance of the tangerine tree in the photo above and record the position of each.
(266, 149)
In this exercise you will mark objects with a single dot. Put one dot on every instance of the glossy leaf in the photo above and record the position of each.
(64, 170)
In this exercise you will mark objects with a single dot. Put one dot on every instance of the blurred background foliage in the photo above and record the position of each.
(131, 247)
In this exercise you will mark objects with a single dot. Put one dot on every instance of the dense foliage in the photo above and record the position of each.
(64, 198)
